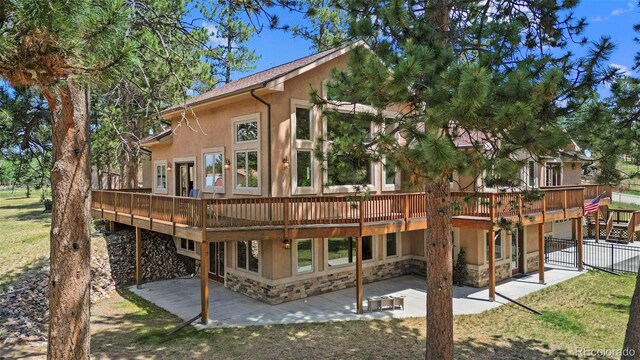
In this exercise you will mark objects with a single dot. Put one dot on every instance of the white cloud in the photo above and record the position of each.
(598, 19)
(623, 69)
(213, 34)
(620, 11)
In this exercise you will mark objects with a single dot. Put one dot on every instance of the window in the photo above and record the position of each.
(304, 249)
(553, 174)
(303, 144)
(304, 170)
(246, 155)
(247, 254)
(345, 170)
(342, 251)
(246, 131)
(187, 245)
(390, 176)
(498, 240)
(392, 244)
(303, 123)
(161, 176)
(246, 169)
(532, 173)
(213, 162)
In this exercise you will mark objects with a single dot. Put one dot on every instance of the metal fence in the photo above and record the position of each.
(613, 257)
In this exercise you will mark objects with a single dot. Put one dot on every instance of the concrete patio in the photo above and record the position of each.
(230, 309)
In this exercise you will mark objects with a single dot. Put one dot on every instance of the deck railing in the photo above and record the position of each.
(509, 204)
(326, 210)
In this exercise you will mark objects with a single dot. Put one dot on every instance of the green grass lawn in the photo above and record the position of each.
(629, 186)
(624, 206)
(24, 238)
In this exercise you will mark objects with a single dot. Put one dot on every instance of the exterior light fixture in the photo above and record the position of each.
(285, 162)
(286, 243)
(169, 167)
(227, 164)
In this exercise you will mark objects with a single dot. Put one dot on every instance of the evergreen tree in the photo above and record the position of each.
(230, 32)
(493, 74)
(326, 25)
(60, 48)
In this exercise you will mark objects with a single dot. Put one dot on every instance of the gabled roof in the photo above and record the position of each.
(154, 138)
(260, 79)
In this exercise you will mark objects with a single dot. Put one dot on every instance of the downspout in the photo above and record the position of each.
(268, 139)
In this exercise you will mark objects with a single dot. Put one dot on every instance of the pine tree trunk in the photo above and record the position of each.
(109, 181)
(439, 271)
(129, 168)
(631, 349)
(69, 282)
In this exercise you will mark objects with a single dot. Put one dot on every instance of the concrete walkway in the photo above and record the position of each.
(230, 309)
(625, 198)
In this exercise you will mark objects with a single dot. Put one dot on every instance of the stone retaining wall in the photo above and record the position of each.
(480, 277)
(298, 289)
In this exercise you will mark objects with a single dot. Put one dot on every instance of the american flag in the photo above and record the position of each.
(592, 206)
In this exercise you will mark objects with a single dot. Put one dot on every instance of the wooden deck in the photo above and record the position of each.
(278, 218)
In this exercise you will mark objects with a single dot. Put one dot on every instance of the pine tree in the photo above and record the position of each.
(493, 74)
(231, 32)
(61, 48)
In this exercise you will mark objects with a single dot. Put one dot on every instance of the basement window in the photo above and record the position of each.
(186, 246)
(248, 255)
(342, 251)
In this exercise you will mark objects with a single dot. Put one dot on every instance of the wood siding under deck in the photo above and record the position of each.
(280, 218)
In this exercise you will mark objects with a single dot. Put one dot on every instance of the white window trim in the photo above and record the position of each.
(398, 246)
(345, 188)
(156, 189)
(235, 259)
(304, 145)
(215, 189)
(295, 257)
(252, 145)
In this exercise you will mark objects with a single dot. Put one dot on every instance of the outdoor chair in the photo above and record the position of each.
(194, 193)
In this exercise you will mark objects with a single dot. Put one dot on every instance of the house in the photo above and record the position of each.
(268, 222)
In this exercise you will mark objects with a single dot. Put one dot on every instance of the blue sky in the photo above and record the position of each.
(605, 17)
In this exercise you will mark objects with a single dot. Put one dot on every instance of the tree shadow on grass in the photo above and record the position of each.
(25, 206)
(32, 215)
(503, 348)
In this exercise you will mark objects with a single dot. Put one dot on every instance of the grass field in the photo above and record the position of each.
(624, 206)
(24, 235)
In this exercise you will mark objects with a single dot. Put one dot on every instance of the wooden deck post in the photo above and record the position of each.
(204, 281)
(359, 282)
(579, 244)
(138, 257)
(492, 264)
(541, 253)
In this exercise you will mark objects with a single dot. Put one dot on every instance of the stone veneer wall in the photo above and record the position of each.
(480, 277)
(298, 289)
(532, 263)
